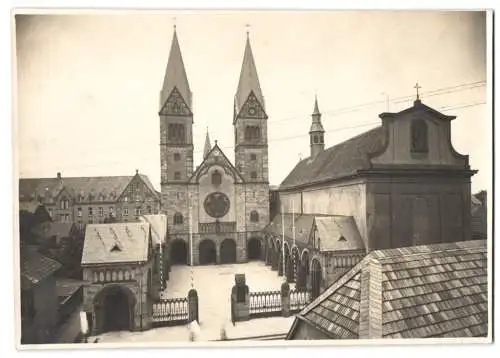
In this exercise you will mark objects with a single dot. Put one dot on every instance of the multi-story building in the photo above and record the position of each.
(88, 200)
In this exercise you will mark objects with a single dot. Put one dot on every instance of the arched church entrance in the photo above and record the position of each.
(228, 251)
(178, 252)
(208, 252)
(303, 270)
(254, 249)
(114, 309)
(316, 277)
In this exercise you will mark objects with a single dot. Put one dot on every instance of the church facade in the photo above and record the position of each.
(217, 211)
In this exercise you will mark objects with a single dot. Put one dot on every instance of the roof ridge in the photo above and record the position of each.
(398, 253)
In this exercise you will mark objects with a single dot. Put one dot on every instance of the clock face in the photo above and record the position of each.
(216, 204)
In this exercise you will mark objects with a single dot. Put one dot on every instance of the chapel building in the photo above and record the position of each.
(218, 209)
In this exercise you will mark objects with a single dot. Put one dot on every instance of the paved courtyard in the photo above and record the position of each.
(213, 284)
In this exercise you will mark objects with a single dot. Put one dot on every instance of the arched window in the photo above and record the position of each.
(254, 216)
(178, 219)
(315, 139)
(321, 139)
(252, 133)
(216, 178)
(419, 140)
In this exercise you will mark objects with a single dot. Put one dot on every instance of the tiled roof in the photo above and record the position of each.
(338, 233)
(339, 161)
(158, 227)
(331, 229)
(303, 226)
(423, 291)
(67, 286)
(35, 267)
(48, 188)
(116, 242)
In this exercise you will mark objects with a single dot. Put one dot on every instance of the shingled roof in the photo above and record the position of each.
(436, 290)
(116, 243)
(341, 160)
(337, 232)
(35, 267)
(48, 188)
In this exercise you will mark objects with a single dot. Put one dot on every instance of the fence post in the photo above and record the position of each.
(285, 299)
(240, 299)
(193, 305)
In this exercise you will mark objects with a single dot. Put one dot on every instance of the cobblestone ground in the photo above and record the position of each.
(213, 284)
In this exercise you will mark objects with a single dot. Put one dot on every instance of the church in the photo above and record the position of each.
(217, 211)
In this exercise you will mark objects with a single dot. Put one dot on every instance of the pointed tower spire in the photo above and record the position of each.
(249, 80)
(317, 132)
(208, 146)
(175, 75)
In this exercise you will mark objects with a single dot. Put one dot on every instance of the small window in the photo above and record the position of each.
(90, 211)
(321, 139)
(50, 212)
(149, 210)
(137, 211)
(125, 199)
(137, 198)
(254, 216)
(110, 210)
(125, 211)
(342, 238)
(216, 178)
(115, 248)
(177, 157)
(315, 139)
(419, 140)
(101, 211)
(253, 175)
(253, 157)
(178, 219)
(177, 175)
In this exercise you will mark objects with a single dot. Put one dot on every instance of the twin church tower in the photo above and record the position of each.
(223, 206)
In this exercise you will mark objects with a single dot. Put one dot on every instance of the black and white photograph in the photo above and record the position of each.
(226, 177)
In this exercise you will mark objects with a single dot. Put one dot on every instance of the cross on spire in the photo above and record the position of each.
(175, 25)
(417, 87)
(247, 26)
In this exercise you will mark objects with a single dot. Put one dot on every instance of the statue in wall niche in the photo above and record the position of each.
(418, 136)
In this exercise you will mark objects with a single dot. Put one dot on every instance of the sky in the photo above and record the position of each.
(88, 84)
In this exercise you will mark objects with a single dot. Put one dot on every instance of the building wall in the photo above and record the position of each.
(415, 211)
(132, 277)
(347, 198)
(440, 149)
(46, 303)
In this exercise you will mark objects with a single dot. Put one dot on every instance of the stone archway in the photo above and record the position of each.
(316, 278)
(254, 249)
(288, 264)
(207, 252)
(178, 252)
(228, 251)
(303, 270)
(114, 309)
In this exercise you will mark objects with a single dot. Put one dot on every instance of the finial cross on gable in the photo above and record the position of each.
(417, 87)
(248, 29)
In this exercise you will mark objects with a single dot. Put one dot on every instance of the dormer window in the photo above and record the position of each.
(419, 136)
(342, 238)
(115, 248)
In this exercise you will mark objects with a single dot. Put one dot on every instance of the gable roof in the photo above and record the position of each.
(436, 290)
(338, 233)
(341, 160)
(331, 228)
(111, 187)
(35, 267)
(158, 224)
(131, 239)
(216, 157)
